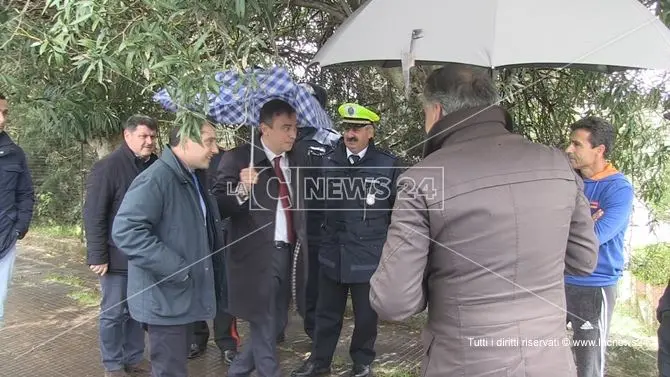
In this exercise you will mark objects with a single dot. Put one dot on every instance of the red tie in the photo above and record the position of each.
(284, 197)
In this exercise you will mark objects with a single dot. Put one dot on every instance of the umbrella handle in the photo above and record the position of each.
(253, 147)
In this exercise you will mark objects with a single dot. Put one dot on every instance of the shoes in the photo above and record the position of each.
(310, 369)
(360, 370)
(196, 351)
(116, 373)
(228, 356)
(141, 369)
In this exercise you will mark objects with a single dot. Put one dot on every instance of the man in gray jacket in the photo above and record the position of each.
(168, 226)
(482, 232)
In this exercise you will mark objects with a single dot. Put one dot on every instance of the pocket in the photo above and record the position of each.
(9, 176)
(172, 299)
(7, 239)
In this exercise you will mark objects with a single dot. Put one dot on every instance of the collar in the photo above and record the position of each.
(5, 139)
(608, 171)
(460, 126)
(271, 156)
(360, 154)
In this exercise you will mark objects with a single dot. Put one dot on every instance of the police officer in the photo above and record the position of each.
(360, 192)
(311, 146)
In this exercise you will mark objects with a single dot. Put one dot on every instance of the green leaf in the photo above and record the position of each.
(89, 70)
(240, 8)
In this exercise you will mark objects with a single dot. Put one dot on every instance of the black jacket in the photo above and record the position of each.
(663, 303)
(248, 257)
(309, 155)
(359, 200)
(106, 186)
(16, 193)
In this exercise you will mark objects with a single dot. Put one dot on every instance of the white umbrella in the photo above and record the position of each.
(601, 34)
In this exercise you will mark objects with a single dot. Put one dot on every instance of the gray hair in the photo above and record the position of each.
(458, 86)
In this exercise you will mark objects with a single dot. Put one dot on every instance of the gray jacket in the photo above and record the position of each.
(483, 238)
(161, 228)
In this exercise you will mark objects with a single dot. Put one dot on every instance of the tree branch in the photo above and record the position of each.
(320, 6)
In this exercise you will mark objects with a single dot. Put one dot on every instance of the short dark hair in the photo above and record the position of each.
(273, 108)
(458, 86)
(2, 96)
(318, 92)
(174, 139)
(140, 120)
(601, 132)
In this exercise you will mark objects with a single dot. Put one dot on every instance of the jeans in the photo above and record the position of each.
(121, 337)
(6, 269)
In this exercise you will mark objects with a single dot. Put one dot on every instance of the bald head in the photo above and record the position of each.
(458, 86)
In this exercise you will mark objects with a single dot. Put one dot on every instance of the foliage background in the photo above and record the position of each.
(76, 69)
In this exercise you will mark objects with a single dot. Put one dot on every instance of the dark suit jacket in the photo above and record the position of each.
(106, 186)
(251, 232)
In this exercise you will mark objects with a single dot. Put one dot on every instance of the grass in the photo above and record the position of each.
(632, 345)
(82, 294)
(57, 231)
(397, 372)
(628, 360)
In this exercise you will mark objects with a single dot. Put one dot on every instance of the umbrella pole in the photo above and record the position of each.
(253, 146)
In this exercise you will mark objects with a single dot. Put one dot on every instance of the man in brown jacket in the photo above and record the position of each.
(486, 246)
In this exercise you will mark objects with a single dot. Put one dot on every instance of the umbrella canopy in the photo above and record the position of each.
(604, 34)
(242, 95)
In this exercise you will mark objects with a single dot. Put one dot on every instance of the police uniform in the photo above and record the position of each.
(359, 197)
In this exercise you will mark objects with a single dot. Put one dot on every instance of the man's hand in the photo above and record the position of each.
(248, 177)
(100, 269)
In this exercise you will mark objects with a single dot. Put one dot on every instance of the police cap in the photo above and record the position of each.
(355, 115)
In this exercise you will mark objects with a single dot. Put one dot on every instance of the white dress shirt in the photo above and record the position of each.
(359, 154)
(280, 218)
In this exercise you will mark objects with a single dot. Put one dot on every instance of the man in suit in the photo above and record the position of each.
(121, 337)
(266, 259)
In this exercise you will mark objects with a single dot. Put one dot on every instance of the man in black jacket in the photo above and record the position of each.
(121, 337)
(16, 203)
(310, 147)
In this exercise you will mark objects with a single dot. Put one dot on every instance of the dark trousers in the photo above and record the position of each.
(169, 350)
(121, 337)
(312, 291)
(259, 352)
(330, 314)
(590, 311)
(225, 332)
